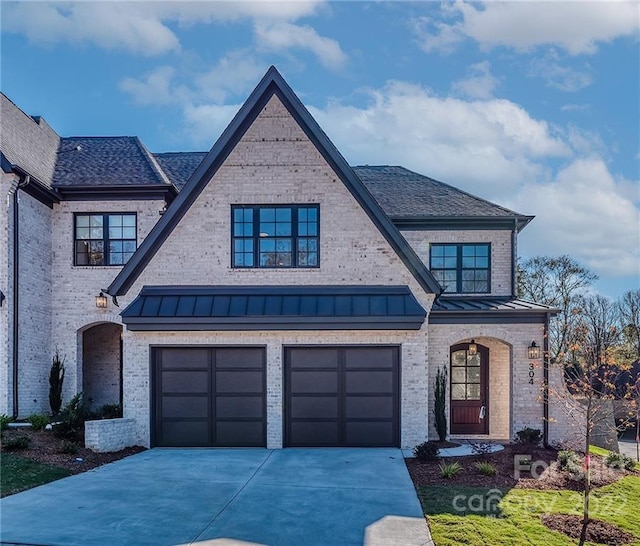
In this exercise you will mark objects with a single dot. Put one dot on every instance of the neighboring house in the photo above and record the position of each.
(262, 294)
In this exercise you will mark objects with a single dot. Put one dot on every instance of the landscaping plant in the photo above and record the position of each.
(450, 470)
(619, 461)
(529, 436)
(38, 420)
(427, 451)
(4, 422)
(485, 468)
(56, 378)
(71, 419)
(16, 443)
(69, 447)
(440, 400)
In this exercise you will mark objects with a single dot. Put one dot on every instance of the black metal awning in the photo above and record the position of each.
(163, 308)
(487, 309)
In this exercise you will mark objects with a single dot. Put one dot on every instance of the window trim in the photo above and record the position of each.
(256, 235)
(105, 236)
(459, 269)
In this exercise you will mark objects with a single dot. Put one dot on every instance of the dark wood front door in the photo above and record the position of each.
(469, 390)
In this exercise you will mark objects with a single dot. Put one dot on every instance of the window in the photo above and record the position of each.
(104, 239)
(275, 236)
(462, 268)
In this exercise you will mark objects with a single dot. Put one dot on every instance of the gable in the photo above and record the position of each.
(272, 94)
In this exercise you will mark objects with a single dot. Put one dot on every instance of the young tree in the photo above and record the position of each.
(629, 309)
(558, 282)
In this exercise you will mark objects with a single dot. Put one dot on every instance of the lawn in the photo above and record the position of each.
(18, 474)
(595, 450)
(480, 516)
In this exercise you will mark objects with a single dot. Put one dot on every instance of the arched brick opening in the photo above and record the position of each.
(102, 364)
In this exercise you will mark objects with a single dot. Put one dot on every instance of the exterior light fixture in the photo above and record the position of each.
(533, 351)
(101, 301)
(473, 348)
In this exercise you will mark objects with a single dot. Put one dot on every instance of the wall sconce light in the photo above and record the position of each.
(473, 348)
(101, 301)
(533, 351)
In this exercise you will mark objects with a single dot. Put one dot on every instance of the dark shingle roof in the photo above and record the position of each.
(27, 142)
(101, 161)
(179, 166)
(405, 194)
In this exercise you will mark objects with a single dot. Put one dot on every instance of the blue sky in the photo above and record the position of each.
(533, 105)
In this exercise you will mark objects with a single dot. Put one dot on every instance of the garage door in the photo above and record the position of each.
(342, 396)
(209, 396)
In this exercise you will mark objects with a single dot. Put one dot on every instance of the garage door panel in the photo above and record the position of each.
(239, 434)
(315, 433)
(234, 382)
(239, 358)
(370, 407)
(369, 382)
(186, 433)
(369, 357)
(369, 434)
(314, 358)
(185, 358)
(185, 382)
(318, 407)
(304, 382)
(229, 407)
(185, 407)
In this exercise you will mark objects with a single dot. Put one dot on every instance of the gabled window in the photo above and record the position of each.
(462, 268)
(273, 236)
(104, 239)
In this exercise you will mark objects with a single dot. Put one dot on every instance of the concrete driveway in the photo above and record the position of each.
(226, 497)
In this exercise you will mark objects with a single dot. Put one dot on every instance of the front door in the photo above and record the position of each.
(469, 390)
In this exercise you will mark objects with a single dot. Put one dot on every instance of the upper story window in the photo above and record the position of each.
(104, 239)
(462, 268)
(275, 236)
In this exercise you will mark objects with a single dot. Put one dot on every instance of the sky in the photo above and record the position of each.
(532, 105)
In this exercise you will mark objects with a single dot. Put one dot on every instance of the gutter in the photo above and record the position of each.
(545, 395)
(26, 180)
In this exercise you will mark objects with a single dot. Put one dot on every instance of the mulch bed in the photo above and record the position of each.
(427, 473)
(598, 531)
(44, 447)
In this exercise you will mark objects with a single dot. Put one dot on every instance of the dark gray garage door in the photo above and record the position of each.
(342, 396)
(206, 396)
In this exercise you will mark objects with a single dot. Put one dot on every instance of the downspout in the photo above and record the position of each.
(16, 296)
(514, 260)
(545, 364)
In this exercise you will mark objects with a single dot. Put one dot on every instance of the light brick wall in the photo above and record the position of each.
(513, 402)
(276, 163)
(108, 435)
(101, 373)
(567, 416)
(501, 255)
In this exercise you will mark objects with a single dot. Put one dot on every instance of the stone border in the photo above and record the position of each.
(108, 435)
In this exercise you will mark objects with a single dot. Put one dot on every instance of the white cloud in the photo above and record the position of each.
(205, 123)
(575, 26)
(155, 87)
(479, 82)
(575, 107)
(492, 144)
(558, 76)
(586, 213)
(282, 36)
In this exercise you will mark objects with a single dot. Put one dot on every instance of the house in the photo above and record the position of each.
(264, 293)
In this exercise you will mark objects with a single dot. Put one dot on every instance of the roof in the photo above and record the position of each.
(27, 142)
(407, 195)
(106, 161)
(274, 308)
(271, 84)
(179, 166)
(454, 309)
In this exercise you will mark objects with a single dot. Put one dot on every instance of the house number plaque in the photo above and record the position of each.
(532, 373)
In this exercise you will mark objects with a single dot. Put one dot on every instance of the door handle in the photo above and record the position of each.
(483, 412)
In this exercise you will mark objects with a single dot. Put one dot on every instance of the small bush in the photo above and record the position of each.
(619, 461)
(529, 436)
(16, 443)
(426, 451)
(566, 458)
(71, 419)
(4, 422)
(67, 446)
(485, 468)
(38, 421)
(110, 411)
(481, 448)
(450, 470)
(56, 379)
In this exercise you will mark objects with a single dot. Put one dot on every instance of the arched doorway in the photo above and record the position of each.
(102, 365)
(469, 389)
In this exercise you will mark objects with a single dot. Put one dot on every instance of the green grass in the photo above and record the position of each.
(477, 516)
(595, 450)
(18, 474)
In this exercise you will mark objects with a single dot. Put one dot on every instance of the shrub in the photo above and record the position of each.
(427, 451)
(440, 400)
(530, 436)
(4, 422)
(619, 461)
(67, 446)
(481, 448)
(15, 443)
(71, 419)
(110, 411)
(486, 468)
(450, 470)
(567, 457)
(38, 420)
(56, 378)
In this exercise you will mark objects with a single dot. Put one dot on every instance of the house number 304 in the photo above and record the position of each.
(532, 374)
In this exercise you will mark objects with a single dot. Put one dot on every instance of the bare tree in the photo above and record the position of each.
(558, 282)
(629, 309)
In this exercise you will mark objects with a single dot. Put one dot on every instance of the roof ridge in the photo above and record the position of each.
(155, 167)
